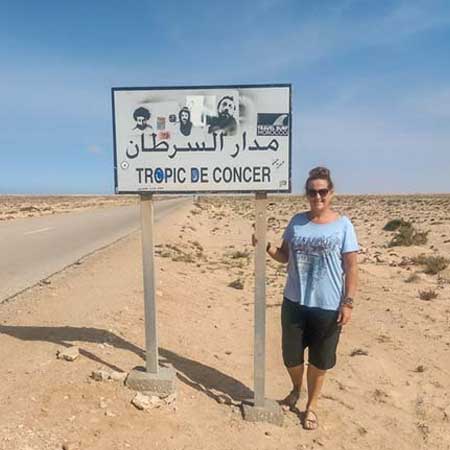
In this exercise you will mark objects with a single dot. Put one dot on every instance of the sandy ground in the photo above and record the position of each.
(389, 390)
(19, 206)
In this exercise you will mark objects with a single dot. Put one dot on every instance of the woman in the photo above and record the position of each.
(320, 248)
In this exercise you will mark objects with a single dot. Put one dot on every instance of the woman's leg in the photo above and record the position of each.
(323, 339)
(292, 346)
(315, 378)
(296, 374)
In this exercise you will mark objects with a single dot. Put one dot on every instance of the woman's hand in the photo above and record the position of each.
(344, 315)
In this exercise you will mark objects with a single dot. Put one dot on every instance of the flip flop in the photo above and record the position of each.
(313, 423)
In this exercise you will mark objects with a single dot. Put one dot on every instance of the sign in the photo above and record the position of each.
(202, 139)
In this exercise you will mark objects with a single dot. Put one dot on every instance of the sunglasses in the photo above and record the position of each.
(313, 192)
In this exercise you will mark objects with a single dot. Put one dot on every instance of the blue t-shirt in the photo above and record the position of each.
(315, 267)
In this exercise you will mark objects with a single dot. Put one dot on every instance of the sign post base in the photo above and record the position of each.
(160, 384)
(270, 412)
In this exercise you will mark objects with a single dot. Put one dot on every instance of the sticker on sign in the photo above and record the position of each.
(202, 139)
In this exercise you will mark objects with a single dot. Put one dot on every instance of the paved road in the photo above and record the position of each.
(32, 249)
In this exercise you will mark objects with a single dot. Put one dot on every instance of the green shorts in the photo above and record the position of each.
(313, 328)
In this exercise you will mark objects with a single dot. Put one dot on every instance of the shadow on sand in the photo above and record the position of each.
(217, 385)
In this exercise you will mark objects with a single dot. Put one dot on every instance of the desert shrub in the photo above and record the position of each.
(174, 252)
(395, 224)
(407, 235)
(183, 257)
(433, 264)
(427, 295)
(240, 254)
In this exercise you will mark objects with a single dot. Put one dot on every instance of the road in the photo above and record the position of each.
(34, 248)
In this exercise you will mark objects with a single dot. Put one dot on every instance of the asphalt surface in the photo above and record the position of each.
(34, 248)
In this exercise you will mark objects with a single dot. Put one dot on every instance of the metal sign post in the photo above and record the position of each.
(148, 265)
(262, 409)
(259, 357)
(152, 378)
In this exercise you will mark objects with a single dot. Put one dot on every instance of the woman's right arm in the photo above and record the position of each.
(280, 254)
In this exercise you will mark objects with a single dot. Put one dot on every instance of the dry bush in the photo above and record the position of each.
(407, 235)
(433, 264)
(175, 253)
(240, 254)
(428, 295)
(395, 224)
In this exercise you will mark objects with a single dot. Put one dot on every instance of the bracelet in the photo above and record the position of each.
(348, 302)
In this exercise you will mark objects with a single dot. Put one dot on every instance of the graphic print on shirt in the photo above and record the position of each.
(310, 256)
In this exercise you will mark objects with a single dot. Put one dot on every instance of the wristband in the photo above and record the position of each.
(348, 302)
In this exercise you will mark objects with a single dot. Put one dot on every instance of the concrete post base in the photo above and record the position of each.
(162, 383)
(270, 412)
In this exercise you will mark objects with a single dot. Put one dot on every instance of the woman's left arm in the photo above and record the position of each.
(351, 281)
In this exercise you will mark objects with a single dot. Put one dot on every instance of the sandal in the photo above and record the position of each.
(310, 421)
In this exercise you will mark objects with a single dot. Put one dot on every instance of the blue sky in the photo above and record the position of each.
(371, 83)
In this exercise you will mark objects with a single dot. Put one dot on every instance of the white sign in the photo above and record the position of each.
(202, 139)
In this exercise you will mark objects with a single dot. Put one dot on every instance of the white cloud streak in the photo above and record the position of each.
(337, 32)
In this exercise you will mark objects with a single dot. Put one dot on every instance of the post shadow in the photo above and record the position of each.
(208, 380)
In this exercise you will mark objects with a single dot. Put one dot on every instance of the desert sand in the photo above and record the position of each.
(20, 206)
(389, 390)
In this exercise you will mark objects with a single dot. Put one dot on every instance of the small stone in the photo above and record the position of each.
(141, 401)
(268, 433)
(103, 404)
(118, 376)
(170, 399)
(144, 402)
(420, 369)
(109, 413)
(155, 401)
(100, 375)
(68, 354)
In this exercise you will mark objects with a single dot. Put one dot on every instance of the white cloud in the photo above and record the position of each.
(336, 32)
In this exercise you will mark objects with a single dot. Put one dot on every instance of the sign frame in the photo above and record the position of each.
(203, 192)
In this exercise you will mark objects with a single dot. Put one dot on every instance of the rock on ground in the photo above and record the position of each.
(68, 354)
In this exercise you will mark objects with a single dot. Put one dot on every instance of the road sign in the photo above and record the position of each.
(202, 139)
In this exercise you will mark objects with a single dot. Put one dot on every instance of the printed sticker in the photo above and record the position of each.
(272, 124)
